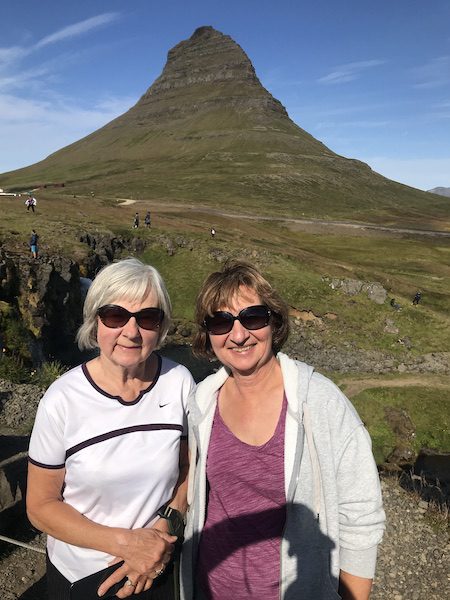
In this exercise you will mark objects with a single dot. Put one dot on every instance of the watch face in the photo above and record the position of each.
(176, 525)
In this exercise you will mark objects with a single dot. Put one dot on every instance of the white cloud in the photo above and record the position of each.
(21, 79)
(10, 55)
(434, 73)
(422, 173)
(34, 129)
(39, 120)
(77, 29)
(349, 71)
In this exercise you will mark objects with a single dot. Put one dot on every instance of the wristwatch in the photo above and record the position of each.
(174, 520)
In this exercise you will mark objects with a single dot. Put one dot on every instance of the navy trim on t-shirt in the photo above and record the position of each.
(118, 432)
(119, 398)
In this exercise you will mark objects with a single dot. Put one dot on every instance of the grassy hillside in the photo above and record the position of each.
(298, 258)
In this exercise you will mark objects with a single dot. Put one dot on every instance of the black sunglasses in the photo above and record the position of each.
(114, 316)
(252, 317)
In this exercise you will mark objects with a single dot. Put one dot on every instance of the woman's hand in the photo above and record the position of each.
(146, 553)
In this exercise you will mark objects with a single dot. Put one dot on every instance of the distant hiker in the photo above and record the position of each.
(30, 202)
(213, 232)
(34, 243)
(394, 304)
(417, 298)
(136, 221)
(148, 219)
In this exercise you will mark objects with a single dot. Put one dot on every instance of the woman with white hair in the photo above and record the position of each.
(108, 452)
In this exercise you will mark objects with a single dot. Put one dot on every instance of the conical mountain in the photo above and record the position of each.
(208, 132)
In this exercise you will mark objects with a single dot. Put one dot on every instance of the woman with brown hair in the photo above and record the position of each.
(284, 493)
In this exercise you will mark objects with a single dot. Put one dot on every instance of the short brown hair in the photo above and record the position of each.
(218, 290)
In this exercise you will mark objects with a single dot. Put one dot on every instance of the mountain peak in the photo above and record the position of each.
(209, 65)
(205, 30)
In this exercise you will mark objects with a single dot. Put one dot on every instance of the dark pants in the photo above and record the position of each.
(163, 587)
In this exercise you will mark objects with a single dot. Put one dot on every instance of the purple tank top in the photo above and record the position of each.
(239, 550)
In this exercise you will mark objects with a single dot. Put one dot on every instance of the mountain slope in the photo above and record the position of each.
(208, 132)
(442, 191)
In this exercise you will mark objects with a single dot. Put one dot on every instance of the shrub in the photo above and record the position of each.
(48, 372)
(13, 369)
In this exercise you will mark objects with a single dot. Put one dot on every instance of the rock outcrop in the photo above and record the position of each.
(374, 290)
(45, 293)
(207, 58)
(18, 405)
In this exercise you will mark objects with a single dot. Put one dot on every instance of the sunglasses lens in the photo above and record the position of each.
(254, 317)
(116, 316)
(219, 323)
(113, 316)
(150, 318)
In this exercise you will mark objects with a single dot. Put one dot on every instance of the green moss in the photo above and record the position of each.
(426, 406)
(15, 336)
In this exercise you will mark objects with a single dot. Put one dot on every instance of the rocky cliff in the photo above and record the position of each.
(43, 296)
(207, 59)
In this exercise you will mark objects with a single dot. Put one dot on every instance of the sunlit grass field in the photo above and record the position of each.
(299, 259)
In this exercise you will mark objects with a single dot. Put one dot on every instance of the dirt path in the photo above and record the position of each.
(355, 386)
(167, 206)
(126, 201)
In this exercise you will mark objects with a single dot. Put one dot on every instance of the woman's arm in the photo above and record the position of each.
(352, 587)
(142, 549)
(179, 496)
(179, 502)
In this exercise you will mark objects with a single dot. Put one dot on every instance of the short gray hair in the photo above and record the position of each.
(128, 279)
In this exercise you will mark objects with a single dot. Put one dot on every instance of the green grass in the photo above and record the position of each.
(12, 368)
(295, 258)
(15, 337)
(47, 373)
(426, 406)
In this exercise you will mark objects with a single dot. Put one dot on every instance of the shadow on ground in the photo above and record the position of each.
(38, 591)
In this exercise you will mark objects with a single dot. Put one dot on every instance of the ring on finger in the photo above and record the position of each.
(129, 583)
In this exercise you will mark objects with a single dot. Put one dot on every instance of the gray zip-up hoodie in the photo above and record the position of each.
(335, 518)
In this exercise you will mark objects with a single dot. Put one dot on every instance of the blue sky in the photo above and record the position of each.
(369, 79)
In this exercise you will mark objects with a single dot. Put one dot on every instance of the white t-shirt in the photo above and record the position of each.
(121, 458)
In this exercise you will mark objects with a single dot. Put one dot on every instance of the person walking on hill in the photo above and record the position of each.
(30, 202)
(417, 298)
(136, 221)
(34, 243)
(148, 220)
